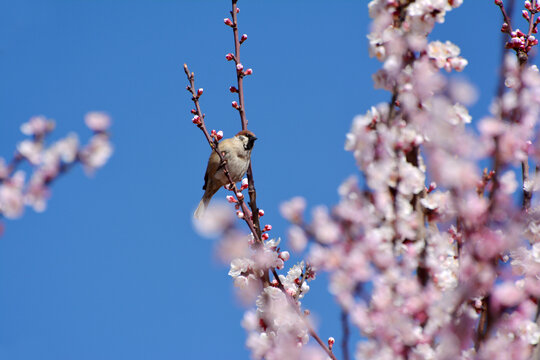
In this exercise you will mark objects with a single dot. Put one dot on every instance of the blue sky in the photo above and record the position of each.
(113, 268)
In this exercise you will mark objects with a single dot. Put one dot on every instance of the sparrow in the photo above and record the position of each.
(236, 152)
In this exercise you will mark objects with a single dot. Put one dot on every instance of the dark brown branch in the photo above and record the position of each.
(242, 111)
(346, 333)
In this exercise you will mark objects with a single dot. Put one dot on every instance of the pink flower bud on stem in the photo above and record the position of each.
(331, 342)
(267, 227)
(228, 22)
(229, 57)
(284, 255)
(199, 92)
(261, 212)
(231, 199)
(194, 112)
(240, 214)
(196, 120)
(237, 10)
(248, 71)
(234, 104)
(244, 184)
(219, 135)
(240, 196)
(498, 2)
(239, 67)
(233, 89)
(525, 15)
(265, 236)
(243, 38)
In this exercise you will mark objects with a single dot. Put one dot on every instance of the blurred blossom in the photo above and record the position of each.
(234, 243)
(11, 196)
(293, 209)
(97, 121)
(47, 162)
(31, 150)
(463, 92)
(96, 153)
(297, 238)
(217, 218)
(37, 126)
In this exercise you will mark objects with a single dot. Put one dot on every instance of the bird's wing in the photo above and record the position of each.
(214, 164)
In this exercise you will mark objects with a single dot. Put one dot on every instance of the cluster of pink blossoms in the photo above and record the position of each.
(48, 162)
(449, 270)
(445, 271)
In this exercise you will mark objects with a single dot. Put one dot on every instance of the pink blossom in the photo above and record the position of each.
(97, 121)
(293, 209)
(31, 150)
(297, 238)
(96, 153)
(37, 126)
(507, 294)
(11, 196)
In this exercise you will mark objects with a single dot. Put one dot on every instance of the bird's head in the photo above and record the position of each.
(248, 138)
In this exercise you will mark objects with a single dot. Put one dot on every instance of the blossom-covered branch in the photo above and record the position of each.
(49, 162)
(453, 267)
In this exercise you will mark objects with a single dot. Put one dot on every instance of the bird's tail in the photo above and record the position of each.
(203, 204)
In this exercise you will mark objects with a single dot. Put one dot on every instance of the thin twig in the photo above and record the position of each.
(242, 111)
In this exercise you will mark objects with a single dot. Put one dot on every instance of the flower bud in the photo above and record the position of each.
(240, 196)
(248, 71)
(219, 135)
(245, 184)
(243, 38)
(331, 342)
(239, 67)
(261, 212)
(231, 199)
(265, 236)
(284, 255)
(229, 57)
(234, 104)
(233, 89)
(194, 112)
(199, 92)
(196, 120)
(228, 22)
(240, 214)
